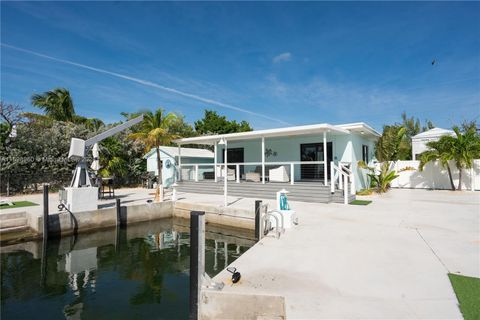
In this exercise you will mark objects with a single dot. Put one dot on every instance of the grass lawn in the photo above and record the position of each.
(18, 204)
(361, 202)
(467, 290)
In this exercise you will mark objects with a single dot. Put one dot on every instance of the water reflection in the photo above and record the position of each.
(137, 272)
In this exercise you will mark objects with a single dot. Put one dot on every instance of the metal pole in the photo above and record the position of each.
(258, 205)
(197, 260)
(45, 211)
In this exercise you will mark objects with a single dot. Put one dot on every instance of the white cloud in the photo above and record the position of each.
(148, 84)
(282, 57)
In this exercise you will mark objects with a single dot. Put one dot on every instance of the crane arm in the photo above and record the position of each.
(78, 147)
(112, 131)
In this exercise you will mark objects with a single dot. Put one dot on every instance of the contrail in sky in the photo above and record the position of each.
(146, 83)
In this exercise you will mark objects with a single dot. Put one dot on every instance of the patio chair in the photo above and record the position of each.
(230, 173)
(279, 174)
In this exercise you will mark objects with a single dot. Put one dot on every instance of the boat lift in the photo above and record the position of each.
(82, 195)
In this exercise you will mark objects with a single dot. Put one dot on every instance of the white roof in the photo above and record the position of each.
(186, 152)
(433, 133)
(283, 132)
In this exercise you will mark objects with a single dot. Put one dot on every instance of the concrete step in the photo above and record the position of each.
(12, 215)
(13, 229)
(15, 222)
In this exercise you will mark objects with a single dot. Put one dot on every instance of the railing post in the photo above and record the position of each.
(292, 173)
(197, 259)
(340, 176)
(352, 181)
(196, 173)
(332, 177)
(345, 190)
(237, 167)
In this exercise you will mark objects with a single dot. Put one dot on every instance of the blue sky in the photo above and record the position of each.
(270, 63)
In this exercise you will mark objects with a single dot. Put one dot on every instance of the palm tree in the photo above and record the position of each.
(462, 148)
(57, 104)
(439, 150)
(155, 131)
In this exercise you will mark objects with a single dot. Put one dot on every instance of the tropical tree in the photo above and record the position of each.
(462, 149)
(440, 150)
(155, 131)
(57, 104)
(391, 145)
(213, 123)
(382, 179)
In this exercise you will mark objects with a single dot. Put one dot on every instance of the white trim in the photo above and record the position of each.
(278, 132)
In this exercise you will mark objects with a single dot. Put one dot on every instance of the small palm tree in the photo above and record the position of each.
(440, 150)
(462, 149)
(156, 130)
(57, 104)
(382, 179)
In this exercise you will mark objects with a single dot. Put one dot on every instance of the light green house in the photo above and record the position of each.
(319, 153)
(169, 157)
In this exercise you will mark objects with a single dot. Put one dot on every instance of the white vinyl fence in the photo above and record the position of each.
(433, 176)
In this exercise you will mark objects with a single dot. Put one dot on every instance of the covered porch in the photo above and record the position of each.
(317, 154)
(278, 155)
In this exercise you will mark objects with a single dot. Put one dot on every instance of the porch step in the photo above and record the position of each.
(15, 222)
(12, 215)
(302, 191)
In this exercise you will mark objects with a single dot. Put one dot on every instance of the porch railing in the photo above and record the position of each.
(341, 176)
(285, 171)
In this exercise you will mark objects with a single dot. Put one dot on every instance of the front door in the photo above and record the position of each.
(314, 152)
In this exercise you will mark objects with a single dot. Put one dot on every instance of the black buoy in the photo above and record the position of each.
(235, 274)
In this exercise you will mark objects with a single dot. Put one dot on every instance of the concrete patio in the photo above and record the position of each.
(387, 260)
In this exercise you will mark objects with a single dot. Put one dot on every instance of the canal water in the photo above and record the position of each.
(140, 272)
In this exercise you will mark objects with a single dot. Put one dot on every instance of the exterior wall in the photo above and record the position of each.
(345, 148)
(433, 176)
(358, 141)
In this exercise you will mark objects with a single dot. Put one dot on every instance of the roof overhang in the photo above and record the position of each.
(361, 128)
(269, 133)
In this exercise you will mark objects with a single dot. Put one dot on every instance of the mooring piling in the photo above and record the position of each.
(258, 206)
(197, 260)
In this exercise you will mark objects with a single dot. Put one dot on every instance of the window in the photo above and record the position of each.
(365, 153)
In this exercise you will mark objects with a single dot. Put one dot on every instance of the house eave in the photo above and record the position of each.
(269, 133)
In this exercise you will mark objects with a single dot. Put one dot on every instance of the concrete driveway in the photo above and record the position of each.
(387, 260)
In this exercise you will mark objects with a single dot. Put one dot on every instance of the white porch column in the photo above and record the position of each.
(263, 160)
(215, 160)
(179, 162)
(225, 177)
(292, 173)
(325, 157)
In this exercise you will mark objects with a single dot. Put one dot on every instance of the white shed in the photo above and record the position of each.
(169, 158)
(419, 142)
